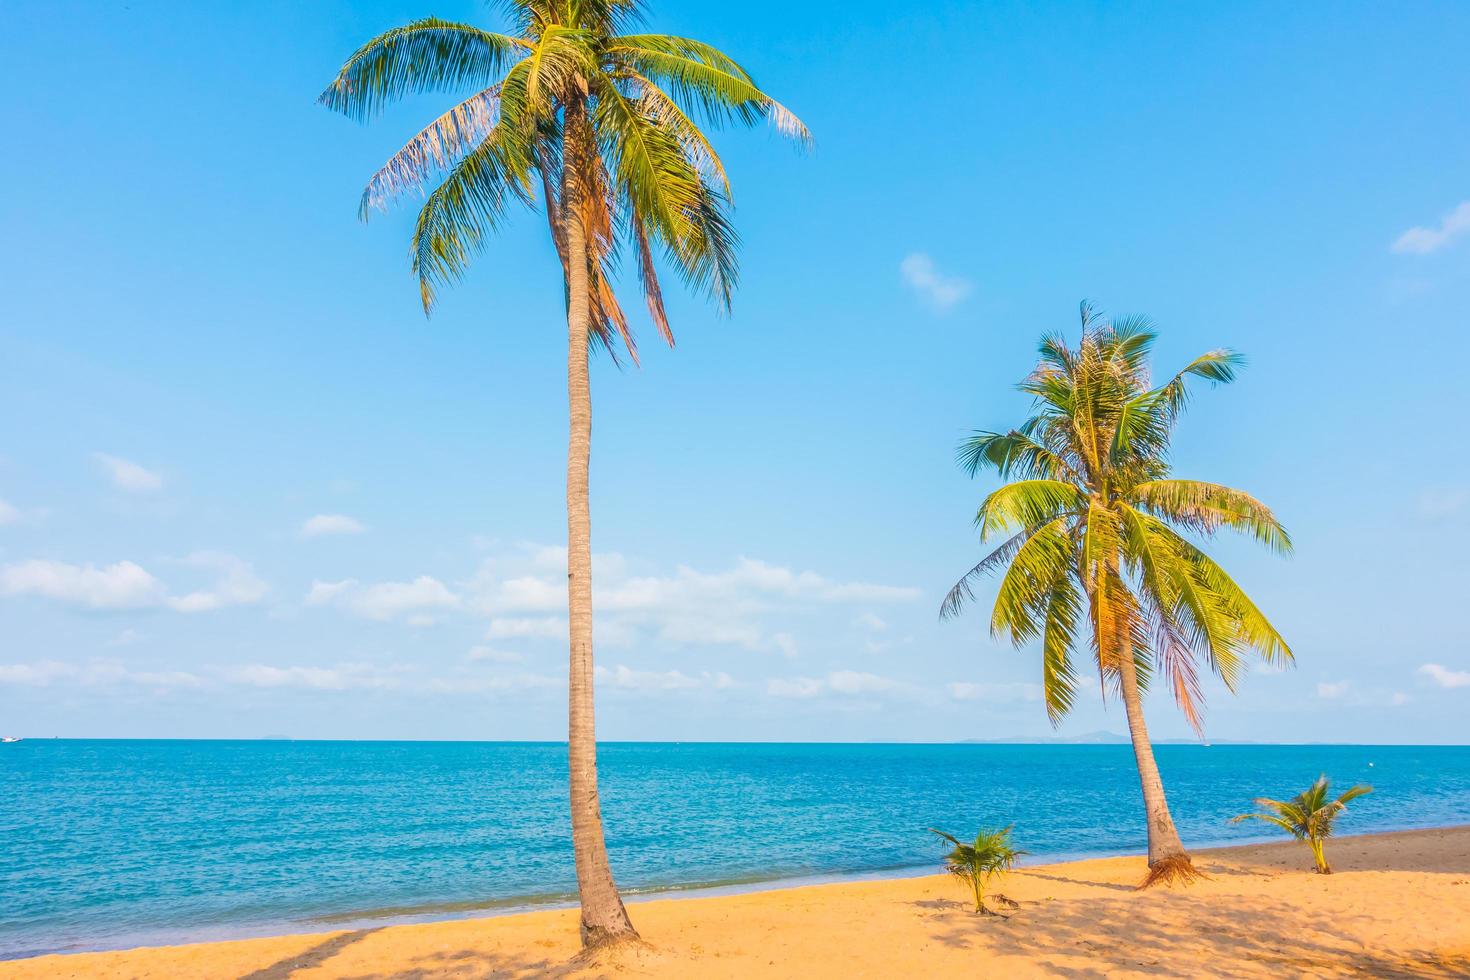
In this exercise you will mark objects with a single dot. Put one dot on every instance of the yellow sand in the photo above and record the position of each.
(1398, 906)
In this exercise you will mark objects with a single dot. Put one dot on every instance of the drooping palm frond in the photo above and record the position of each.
(429, 55)
(1206, 507)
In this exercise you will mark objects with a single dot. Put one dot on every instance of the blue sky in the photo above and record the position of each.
(248, 490)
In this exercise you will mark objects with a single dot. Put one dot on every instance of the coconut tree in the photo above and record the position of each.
(574, 103)
(1101, 545)
(1308, 816)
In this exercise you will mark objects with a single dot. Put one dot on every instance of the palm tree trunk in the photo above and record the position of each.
(604, 919)
(1168, 861)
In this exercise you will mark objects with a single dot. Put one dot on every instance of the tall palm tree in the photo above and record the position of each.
(1098, 541)
(601, 117)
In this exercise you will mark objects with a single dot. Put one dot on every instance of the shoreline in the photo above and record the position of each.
(1406, 891)
(474, 910)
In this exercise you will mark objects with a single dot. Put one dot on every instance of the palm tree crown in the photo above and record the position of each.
(1096, 527)
(601, 116)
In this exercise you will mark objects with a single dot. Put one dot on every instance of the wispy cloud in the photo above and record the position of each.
(1332, 690)
(324, 524)
(415, 601)
(524, 593)
(1422, 240)
(128, 475)
(519, 627)
(235, 584)
(340, 677)
(971, 691)
(942, 292)
(127, 585)
(122, 585)
(96, 673)
(847, 683)
(625, 678)
(108, 676)
(1444, 676)
(9, 513)
(1442, 503)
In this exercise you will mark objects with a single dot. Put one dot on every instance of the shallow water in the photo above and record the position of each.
(117, 843)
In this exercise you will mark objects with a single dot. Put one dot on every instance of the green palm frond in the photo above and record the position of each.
(701, 76)
(1012, 452)
(428, 55)
(1026, 503)
(1206, 507)
(1022, 602)
(468, 206)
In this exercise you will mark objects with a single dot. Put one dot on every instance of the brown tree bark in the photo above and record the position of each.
(604, 919)
(1168, 861)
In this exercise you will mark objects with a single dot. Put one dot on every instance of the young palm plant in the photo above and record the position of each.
(1308, 816)
(574, 101)
(1097, 544)
(975, 864)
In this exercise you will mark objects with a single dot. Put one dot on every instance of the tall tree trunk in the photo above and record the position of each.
(1168, 861)
(604, 919)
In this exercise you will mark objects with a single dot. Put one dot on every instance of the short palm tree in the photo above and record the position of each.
(1308, 816)
(975, 864)
(576, 102)
(1098, 543)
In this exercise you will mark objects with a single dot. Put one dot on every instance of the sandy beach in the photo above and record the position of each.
(1398, 906)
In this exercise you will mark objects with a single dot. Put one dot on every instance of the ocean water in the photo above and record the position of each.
(105, 844)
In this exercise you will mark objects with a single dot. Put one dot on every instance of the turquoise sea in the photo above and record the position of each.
(119, 843)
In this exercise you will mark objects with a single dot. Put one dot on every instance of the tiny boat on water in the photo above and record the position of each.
(10, 738)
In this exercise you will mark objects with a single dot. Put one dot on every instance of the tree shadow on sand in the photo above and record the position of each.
(1214, 935)
(309, 958)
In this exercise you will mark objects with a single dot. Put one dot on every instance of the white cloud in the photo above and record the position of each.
(938, 290)
(1442, 503)
(653, 681)
(128, 475)
(1332, 690)
(795, 687)
(969, 691)
(236, 584)
(494, 656)
(870, 622)
(342, 677)
(96, 673)
(1422, 240)
(1444, 676)
(1399, 699)
(324, 524)
(126, 585)
(689, 607)
(858, 682)
(111, 676)
(9, 513)
(415, 601)
(849, 683)
(544, 627)
(123, 585)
